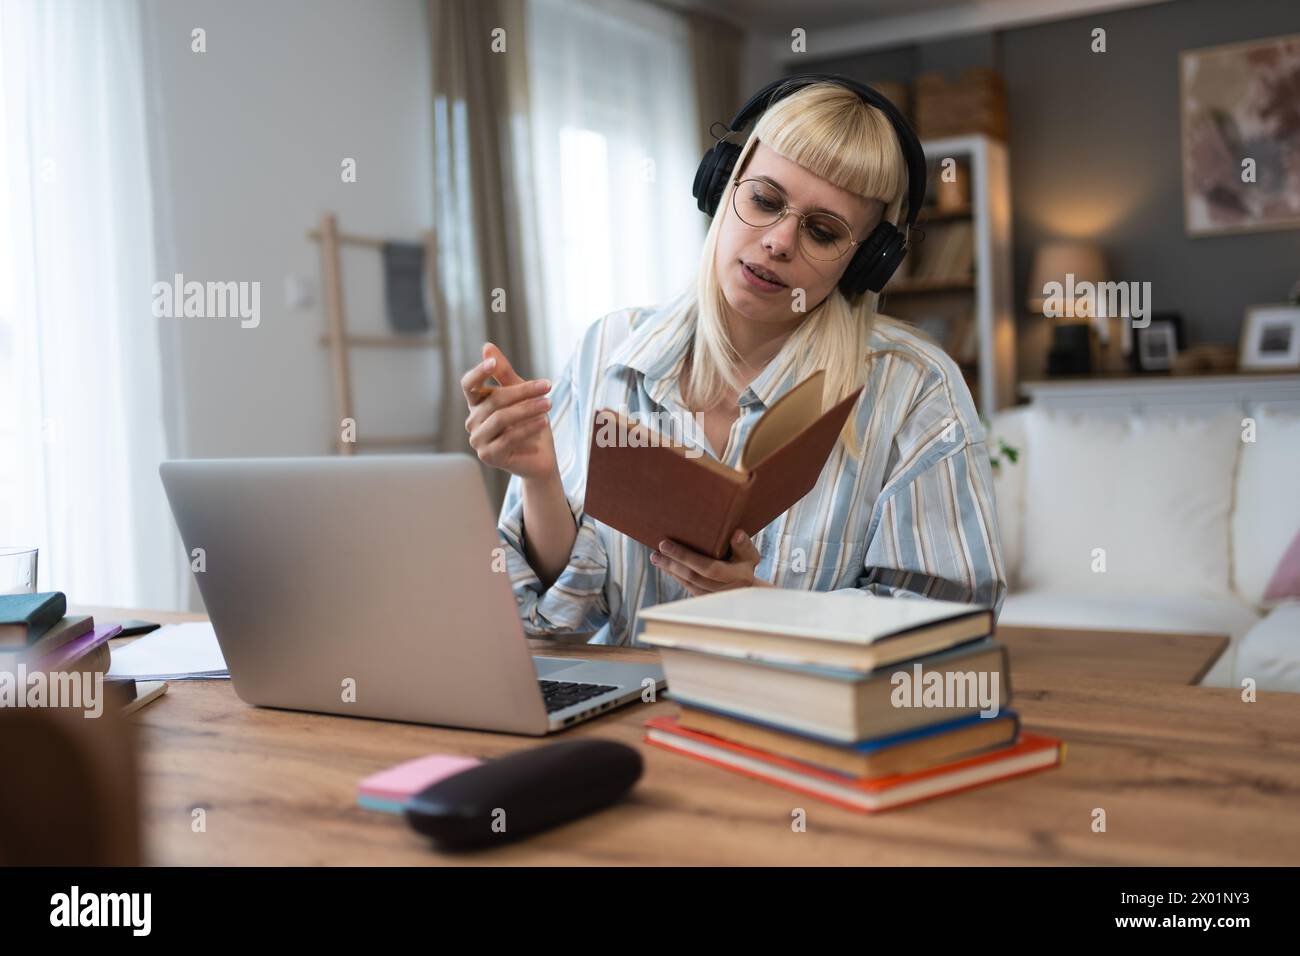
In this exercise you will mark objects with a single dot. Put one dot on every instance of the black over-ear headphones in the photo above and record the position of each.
(880, 253)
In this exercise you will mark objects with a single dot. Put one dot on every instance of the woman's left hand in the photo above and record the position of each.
(701, 574)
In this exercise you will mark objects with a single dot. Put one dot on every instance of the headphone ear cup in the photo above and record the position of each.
(713, 175)
(875, 262)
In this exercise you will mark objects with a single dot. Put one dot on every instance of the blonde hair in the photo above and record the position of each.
(830, 131)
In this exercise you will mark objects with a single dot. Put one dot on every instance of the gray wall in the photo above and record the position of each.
(901, 64)
(1095, 151)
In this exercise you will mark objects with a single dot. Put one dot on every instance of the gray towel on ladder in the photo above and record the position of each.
(404, 286)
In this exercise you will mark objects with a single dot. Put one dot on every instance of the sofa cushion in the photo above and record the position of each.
(1179, 614)
(1154, 493)
(1270, 651)
(1266, 512)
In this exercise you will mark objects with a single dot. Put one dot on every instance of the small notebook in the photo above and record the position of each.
(649, 488)
(77, 649)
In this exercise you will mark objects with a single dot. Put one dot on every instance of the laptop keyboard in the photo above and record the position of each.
(560, 694)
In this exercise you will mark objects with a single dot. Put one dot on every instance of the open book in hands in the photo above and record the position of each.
(651, 488)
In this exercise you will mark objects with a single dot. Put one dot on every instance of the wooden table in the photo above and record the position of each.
(1187, 776)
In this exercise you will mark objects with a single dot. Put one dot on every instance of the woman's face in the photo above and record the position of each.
(776, 249)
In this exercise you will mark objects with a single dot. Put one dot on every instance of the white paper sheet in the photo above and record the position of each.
(173, 652)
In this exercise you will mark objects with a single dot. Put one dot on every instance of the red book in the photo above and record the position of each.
(1030, 753)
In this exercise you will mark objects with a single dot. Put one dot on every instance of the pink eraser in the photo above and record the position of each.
(407, 779)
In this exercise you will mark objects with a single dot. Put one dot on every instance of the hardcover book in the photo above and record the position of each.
(1032, 752)
(24, 618)
(652, 488)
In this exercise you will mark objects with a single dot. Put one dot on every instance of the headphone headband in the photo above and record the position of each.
(879, 254)
(913, 154)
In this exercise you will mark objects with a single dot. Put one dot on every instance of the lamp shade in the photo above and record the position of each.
(1053, 261)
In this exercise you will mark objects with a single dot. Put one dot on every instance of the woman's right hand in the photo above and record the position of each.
(508, 426)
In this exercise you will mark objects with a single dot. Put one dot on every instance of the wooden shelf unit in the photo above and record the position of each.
(985, 298)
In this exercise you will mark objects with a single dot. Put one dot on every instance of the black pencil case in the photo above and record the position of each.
(524, 792)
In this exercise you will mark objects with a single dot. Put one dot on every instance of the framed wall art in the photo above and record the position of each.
(1241, 136)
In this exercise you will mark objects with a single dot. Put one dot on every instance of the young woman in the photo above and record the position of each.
(904, 506)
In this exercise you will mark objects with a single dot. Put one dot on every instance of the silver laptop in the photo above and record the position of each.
(375, 587)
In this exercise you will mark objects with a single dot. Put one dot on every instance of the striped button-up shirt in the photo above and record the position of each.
(913, 517)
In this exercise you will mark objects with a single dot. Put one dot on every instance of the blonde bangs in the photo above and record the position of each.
(827, 129)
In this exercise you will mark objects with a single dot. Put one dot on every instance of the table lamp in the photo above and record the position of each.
(1069, 264)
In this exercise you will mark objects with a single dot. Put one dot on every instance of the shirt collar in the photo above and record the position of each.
(657, 349)
(775, 380)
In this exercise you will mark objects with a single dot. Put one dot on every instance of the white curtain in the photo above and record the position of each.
(81, 418)
(614, 155)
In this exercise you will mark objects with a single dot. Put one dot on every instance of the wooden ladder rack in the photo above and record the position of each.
(339, 341)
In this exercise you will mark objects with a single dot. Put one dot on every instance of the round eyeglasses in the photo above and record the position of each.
(821, 235)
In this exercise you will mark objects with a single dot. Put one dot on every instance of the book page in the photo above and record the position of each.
(793, 412)
(630, 432)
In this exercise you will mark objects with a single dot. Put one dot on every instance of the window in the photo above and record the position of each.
(81, 429)
(614, 157)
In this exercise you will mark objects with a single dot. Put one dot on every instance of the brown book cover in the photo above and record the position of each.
(650, 489)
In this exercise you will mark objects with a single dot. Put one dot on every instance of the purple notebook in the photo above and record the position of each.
(83, 645)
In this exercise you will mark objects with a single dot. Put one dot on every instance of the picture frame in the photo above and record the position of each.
(1156, 346)
(1240, 136)
(1270, 338)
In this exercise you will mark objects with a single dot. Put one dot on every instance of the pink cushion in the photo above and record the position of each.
(1285, 582)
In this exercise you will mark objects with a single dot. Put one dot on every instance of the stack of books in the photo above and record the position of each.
(38, 634)
(39, 637)
(864, 701)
